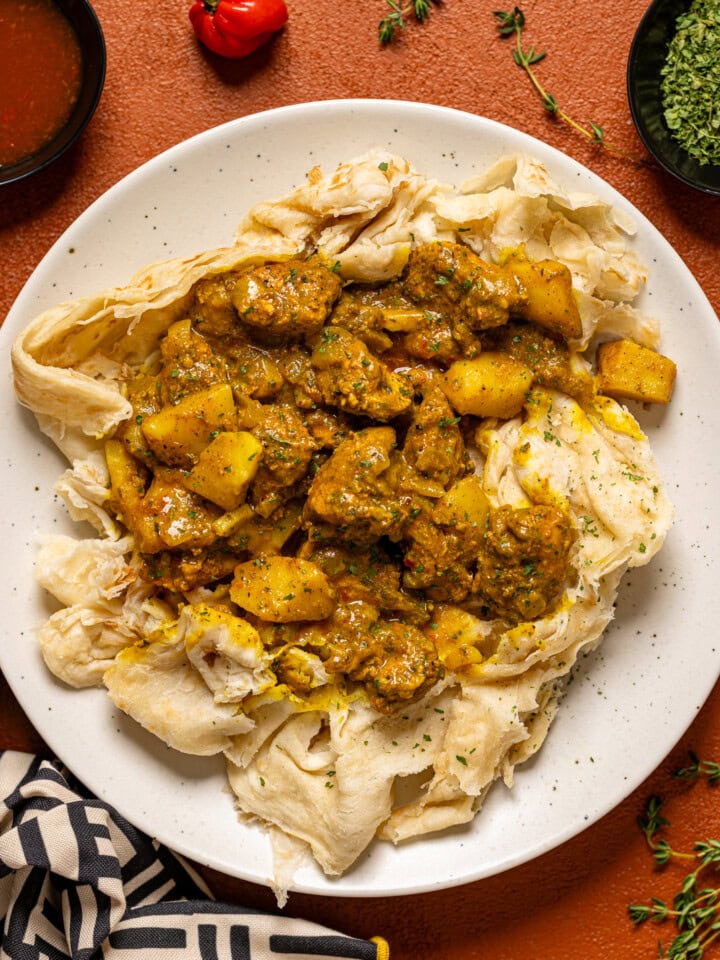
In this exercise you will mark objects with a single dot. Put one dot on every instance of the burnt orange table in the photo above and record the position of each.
(161, 88)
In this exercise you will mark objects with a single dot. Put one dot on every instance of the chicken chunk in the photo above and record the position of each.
(356, 492)
(524, 563)
(168, 516)
(373, 576)
(394, 661)
(442, 540)
(437, 340)
(364, 319)
(189, 364)
(547, 358)
(283, 302)
(349, 377)
(439, 555)
(212, 308)
(183, 570)
(287, 451)
(452, 280)
(433, 444)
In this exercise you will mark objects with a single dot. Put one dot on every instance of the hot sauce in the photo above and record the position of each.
(40, 75)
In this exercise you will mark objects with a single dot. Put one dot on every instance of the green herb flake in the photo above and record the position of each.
(690, 82)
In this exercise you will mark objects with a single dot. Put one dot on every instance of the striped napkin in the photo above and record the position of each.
(78, 882)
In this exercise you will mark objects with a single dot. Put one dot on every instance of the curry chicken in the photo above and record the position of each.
(306, 450)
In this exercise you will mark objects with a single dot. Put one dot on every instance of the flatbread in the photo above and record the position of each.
(322, 773)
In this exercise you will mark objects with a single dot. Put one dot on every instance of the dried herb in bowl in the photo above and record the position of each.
(691, 82)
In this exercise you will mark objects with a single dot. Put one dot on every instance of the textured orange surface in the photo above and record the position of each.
(161, 88)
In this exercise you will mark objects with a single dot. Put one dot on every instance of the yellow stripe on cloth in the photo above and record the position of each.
(383, 948)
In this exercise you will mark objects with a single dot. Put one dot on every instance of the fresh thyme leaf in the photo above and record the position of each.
(695, 911)
(651, 820)
(511, 23)
(690, 83)
(691, 771)
(708, 851)
(389, 24)
(597, 131)
(696, 768)
(662, 852)
(712, 771)
(396, 19)
(639, 912)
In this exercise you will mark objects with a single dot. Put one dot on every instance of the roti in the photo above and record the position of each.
(359, 496)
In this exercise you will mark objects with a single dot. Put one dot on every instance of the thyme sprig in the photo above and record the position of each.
(396, 19)
(698, 768)
(695, 908)
(511, 23)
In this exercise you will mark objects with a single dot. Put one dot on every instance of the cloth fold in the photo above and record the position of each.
(79, 882)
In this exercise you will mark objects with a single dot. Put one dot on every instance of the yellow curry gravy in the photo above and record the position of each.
(354, 464)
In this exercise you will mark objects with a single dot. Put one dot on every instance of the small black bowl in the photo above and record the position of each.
(85, 23)
(647, 56)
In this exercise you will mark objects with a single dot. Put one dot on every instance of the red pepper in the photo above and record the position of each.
(234, 28)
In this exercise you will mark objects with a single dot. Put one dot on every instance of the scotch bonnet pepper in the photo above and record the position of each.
(235, 28)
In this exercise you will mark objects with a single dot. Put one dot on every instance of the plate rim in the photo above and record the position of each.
(272, 115)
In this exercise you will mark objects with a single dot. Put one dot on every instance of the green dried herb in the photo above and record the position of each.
(691, 82)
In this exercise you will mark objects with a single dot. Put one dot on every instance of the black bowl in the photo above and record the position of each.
(647, 56)
(92, 44)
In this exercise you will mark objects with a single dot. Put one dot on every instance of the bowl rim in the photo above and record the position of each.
(695, 178)
(94, 52)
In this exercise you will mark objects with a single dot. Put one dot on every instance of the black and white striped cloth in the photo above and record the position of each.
(78, 882)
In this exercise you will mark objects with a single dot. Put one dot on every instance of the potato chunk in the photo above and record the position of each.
(466, 502)
(226, 468)
(282, 589)
(178, 434)
(490, 385)
(549, 300)
(127, 478)
(128, 481)
(264, 535)
(627, 371)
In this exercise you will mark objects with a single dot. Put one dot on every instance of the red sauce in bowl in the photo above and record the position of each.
(40, 75)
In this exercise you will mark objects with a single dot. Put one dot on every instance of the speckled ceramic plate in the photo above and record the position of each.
(630, 702)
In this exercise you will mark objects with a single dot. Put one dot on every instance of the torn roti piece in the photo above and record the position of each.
(359, 500)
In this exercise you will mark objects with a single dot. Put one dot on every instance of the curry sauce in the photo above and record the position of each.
(303, 449)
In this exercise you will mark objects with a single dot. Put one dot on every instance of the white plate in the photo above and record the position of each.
(629, 703)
